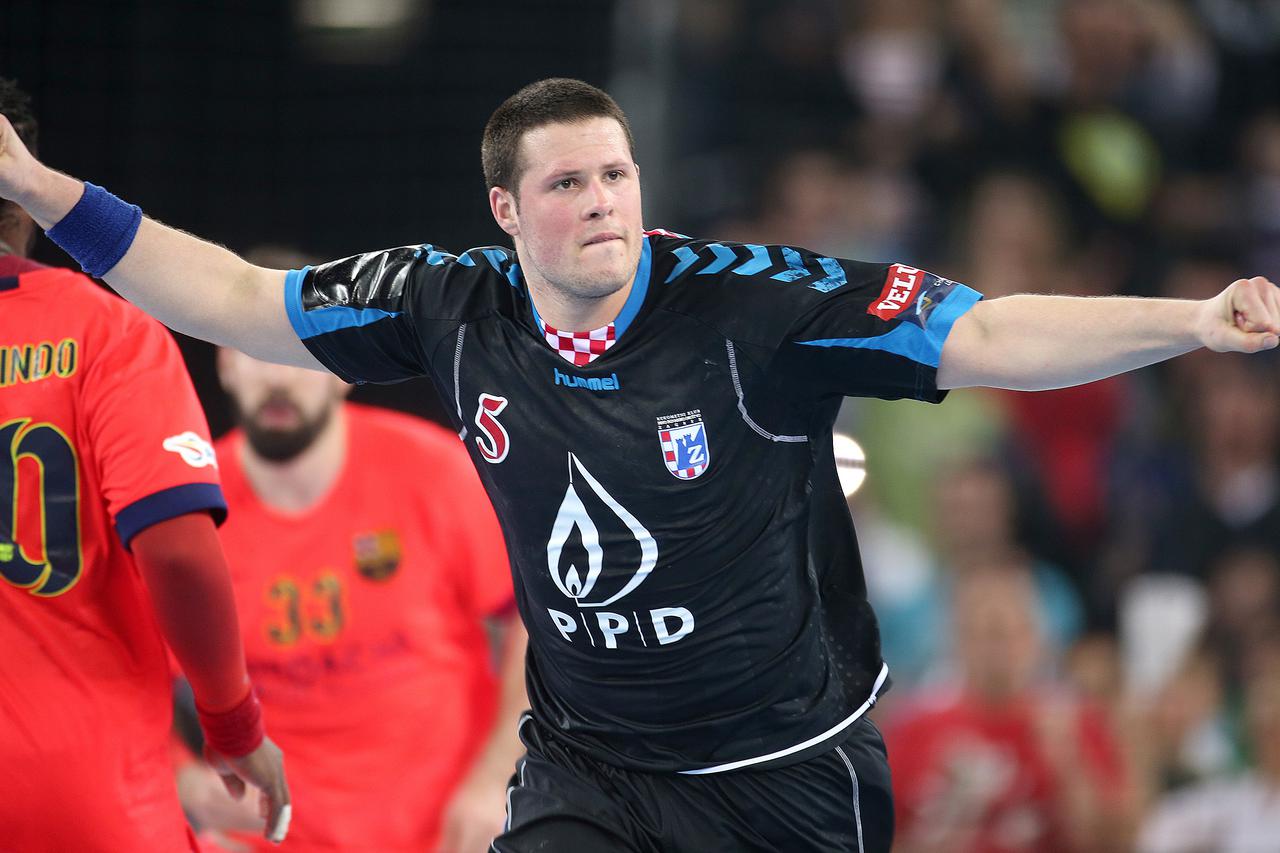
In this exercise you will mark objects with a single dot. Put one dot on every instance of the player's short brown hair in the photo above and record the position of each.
(558, 99)
(16, 106)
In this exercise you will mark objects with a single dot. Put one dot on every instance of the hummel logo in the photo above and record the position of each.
(609, 383)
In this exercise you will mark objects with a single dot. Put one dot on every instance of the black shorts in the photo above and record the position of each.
(561, 801)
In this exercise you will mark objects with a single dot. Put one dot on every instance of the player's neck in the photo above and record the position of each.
(569, 313)
(300, 483)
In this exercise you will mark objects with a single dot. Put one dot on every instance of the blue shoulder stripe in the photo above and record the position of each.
(923, 346)
(758, 262)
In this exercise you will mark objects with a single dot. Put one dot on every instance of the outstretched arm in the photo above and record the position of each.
(188, 284)
(1033, 343)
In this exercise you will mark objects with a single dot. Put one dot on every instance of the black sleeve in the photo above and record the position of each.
(881, 335)
(835, 327)
(365, 317)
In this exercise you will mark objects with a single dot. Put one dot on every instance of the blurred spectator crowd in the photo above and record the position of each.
(1079, 590)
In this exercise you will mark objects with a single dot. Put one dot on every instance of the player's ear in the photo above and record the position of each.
(503, 206)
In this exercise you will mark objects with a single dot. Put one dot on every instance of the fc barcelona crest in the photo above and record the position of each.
(377, 554)
(684, 444)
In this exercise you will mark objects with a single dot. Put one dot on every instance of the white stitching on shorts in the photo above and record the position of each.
(506, 827)
(857, 809)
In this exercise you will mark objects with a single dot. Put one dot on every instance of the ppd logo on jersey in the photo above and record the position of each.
(576, 561)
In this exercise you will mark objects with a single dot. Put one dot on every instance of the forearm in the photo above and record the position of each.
(48, 196)
(186, 574)
(1033, 343)
(190, 285)
(205, 295)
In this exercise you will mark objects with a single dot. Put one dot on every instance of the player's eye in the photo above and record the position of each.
(614, 175)
(566, 183)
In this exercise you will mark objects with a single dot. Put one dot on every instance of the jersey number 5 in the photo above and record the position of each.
(57, 498)
(496, 442)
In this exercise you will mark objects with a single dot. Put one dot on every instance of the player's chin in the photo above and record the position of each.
(603, 279)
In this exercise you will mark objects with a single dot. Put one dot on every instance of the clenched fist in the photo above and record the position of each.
(1243, 318)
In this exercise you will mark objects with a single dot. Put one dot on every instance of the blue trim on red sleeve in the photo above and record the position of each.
(170, 503)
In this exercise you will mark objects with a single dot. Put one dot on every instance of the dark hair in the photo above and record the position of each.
(16, 106)
(558, 99)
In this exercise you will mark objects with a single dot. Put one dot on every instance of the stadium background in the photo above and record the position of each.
(1072, 146)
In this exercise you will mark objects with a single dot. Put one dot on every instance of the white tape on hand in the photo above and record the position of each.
(281, 829)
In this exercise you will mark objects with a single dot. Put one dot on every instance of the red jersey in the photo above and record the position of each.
(101, 436)
(363, 631)
(962, 764)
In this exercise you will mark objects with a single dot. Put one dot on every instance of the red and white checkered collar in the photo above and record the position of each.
(581, 348)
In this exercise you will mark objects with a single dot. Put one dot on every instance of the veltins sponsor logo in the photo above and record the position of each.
(576, 562)
(899, 289)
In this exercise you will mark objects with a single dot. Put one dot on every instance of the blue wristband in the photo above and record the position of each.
(98, 230)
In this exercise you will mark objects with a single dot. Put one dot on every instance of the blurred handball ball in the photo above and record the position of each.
(851, 463)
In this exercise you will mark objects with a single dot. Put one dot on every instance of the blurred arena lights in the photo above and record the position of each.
(851, 463)
(359, 31)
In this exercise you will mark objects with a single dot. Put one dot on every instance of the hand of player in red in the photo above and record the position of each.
(264, 769)
(205, 799)
(1243, 318)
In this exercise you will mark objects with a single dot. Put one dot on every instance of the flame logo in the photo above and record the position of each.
(573, 516)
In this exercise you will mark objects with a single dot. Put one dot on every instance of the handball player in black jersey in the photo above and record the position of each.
(651, 415)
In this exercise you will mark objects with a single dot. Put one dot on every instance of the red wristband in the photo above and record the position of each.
(236, 732)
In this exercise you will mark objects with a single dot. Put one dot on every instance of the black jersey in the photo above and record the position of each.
(682, 552)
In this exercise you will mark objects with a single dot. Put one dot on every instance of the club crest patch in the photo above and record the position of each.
(377, 554)
(685, 449)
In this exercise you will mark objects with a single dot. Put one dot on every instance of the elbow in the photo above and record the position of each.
(963, 361)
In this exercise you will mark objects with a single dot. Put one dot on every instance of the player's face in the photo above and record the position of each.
(281, 409)
(577, 224)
